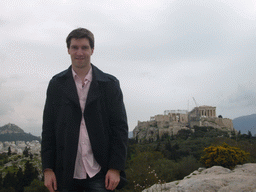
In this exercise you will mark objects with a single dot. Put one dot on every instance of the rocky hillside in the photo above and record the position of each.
(10, 128)
(216, 178)
(11, 132)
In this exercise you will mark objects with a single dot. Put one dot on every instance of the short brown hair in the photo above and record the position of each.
(80, 33)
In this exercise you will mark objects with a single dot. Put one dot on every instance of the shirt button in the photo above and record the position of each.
(83, 142)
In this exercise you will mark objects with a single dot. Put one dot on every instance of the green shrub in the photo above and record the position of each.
(186, 166)
(142, 173)
(36, 186)
(9, 189)
(224, 155)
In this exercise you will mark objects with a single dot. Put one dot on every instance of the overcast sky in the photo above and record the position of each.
(164, 52)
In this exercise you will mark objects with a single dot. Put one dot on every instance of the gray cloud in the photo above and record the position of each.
(163, 52)
(243, 98)
(9, 97)
(2, 57)
(5, 108)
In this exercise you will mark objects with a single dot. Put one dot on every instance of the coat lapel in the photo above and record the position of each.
(69, 87)
(94, 91)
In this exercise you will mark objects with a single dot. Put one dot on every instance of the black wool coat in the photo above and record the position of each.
(105, 119)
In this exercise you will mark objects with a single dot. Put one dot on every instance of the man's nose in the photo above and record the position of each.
(79, 52)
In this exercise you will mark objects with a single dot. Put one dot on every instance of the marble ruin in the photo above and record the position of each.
(174, 120)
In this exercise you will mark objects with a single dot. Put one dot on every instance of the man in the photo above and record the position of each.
(85, 132)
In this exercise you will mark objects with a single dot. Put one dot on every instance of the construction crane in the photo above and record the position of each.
(197, 111)
(195, 101)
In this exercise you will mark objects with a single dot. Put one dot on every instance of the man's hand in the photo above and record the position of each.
(112, 179)
(50, 180)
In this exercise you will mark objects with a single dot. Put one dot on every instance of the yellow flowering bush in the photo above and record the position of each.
(224, 155)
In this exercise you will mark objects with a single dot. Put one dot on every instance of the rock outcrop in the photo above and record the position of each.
(216, 178)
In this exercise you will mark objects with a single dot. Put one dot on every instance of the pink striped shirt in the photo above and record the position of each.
(85, 161)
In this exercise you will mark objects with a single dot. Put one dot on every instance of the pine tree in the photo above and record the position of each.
(9, 180)
(158, 146)
(9, 151)
(1, 181)
(30, 173)
(19, 185)
(168, 146)
(249, 134)
(31, 156)
(25, 152)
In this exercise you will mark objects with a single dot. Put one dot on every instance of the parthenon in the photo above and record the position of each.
(204, 111)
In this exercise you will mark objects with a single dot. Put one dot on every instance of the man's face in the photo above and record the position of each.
(80, 52)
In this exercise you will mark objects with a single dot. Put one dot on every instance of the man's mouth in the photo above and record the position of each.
(79, 58)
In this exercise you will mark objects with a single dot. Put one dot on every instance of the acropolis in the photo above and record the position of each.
(174, 120)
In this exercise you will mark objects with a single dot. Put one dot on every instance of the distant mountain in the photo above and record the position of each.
(11, 132)
(245, 124)
(10, 128)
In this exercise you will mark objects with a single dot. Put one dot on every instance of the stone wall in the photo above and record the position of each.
(171, 117)
(159, 118)
(218, 123)
(225, 122)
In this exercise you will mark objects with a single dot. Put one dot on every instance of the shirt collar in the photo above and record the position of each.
(87, 77)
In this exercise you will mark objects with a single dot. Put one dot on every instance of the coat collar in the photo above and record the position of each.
(97, 74)
(69, 85)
